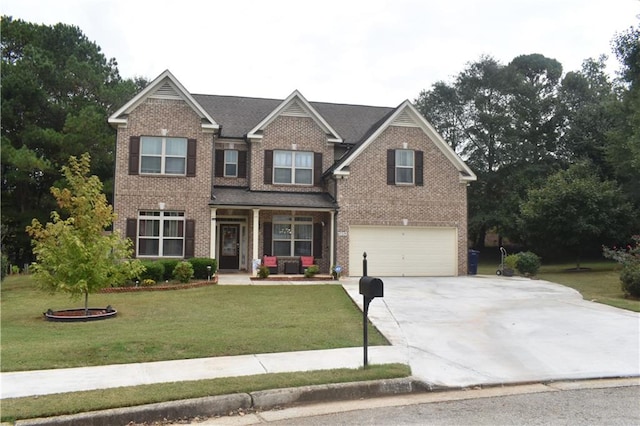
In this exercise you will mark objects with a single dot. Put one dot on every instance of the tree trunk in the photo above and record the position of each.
(86, 303)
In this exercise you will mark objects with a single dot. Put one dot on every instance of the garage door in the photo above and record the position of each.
(403, 251)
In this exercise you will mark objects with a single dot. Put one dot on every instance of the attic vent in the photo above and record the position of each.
(405, 120)
(166, 91)
(295, 109)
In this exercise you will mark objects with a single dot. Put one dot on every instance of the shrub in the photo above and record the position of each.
(528, 263)
(4, 264)
(630, 277)
(629, 257)
(183, 272)
(511, 261)
(311, 271)
(153, 271)
(263, 271)
(169, 266)
(148, 282)
(200, 267)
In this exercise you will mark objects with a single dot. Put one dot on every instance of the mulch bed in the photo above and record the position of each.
(160, 287)
(293, 278)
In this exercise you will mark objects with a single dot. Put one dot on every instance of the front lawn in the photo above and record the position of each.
(599, 282)
(163, 325)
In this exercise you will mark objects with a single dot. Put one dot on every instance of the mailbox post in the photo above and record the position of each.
(370, 288)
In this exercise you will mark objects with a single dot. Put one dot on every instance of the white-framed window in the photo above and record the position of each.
(292, 236)
(405, 162)
(163, 155)
(160, 234)
(230, 163)
(293, 167)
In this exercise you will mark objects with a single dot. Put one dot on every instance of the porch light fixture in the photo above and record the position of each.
(161, 205)
(405, 222)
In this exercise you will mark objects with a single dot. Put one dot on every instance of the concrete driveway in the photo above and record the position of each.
(463, 331)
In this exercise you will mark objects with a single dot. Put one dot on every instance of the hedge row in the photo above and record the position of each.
(162, 269)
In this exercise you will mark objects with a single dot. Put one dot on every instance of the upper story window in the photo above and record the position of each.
(163, 155)
(161, 234)
(293, 167)
(404, 166)
(230, 163)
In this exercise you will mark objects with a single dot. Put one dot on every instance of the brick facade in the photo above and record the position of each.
(190, 195)
(368, 200)
(362, 195)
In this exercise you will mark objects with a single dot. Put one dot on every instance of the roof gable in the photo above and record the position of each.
(406, 115)
(165, 86)
(297, 106)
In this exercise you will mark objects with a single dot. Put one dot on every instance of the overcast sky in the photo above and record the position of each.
(374, 52)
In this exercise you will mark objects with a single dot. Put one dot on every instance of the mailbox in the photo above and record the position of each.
(371, 287)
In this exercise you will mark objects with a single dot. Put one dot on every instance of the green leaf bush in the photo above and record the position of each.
(629, 257)
(183, 272)
(528, 263)
(153, 271)
(200, 267)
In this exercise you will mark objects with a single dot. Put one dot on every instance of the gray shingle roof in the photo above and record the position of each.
(238, 115)
(244, 197)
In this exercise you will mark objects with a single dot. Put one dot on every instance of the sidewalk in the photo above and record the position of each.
(43, 382)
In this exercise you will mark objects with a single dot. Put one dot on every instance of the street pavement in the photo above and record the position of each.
(452, 331)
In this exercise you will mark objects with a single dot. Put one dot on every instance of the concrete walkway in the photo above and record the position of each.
(455, 331)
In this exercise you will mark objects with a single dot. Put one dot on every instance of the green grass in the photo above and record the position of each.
(162, 325)
(78, 402)
(599, 282)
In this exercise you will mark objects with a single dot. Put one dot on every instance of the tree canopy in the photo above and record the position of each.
(58, 90)
(520, 123)
(75, 255)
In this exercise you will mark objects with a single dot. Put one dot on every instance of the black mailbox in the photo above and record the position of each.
(371, 287)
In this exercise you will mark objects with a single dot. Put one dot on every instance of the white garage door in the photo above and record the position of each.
(403, 251)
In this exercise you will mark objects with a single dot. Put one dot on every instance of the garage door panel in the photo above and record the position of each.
(403, 251)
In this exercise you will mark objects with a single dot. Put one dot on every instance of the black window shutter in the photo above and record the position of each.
(242, 164)
(391, 167)
(191, 157)
(419, 168)
(317, 240)
(268, 166)
(134, 155)
(267, 232)
(317, 168)
(219, 165)
(132, 230)
(189, 238)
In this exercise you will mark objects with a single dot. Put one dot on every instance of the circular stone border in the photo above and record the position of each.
(78, 314)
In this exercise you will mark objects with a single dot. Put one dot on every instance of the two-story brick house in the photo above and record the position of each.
(237, 178)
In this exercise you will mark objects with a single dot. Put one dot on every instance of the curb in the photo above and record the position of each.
(224, 404)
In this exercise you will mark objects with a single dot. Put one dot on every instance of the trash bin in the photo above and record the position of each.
(474, 257)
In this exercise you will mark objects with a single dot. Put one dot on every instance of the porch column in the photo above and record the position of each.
(256, 232)
(212, 243)
(332, 239)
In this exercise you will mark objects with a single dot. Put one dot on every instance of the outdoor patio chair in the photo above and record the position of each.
(305, 262)
(271, 262)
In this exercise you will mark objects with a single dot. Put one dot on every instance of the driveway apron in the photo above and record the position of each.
(473, 330)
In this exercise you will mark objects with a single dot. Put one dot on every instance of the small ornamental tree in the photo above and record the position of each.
(77, 254)
(629, 257)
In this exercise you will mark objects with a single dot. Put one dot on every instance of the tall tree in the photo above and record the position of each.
(623, 142)
(575, 211)
(75, 255)
(586, 100)
(502, 121)
(57, 92)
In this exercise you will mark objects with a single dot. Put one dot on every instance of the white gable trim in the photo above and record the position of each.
(165, 86)
(295, 105)
(407, 115)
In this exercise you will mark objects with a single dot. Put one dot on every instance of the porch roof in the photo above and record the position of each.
(243, 197)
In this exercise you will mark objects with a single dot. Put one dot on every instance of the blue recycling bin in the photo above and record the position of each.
(474, 258)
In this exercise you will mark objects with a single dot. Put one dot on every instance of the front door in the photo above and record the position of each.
(229, 247)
